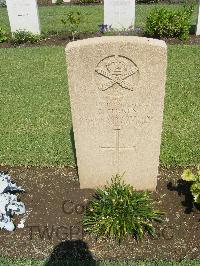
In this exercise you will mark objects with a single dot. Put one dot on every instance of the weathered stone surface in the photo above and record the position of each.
(198, 22)
(117, 87)
(119, 13)
(23, 15)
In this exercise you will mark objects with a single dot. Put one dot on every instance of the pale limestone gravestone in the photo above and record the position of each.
(119, 13)
(23, 15)
(198, 22)
(117, 87)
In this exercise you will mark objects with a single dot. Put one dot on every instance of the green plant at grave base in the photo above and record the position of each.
(59, 2)
(3, 35)
(163, 22)
(73, 21)
(20, 37)
(195, 183)
(118, 211)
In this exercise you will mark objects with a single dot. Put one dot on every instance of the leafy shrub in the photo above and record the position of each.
(80, 2)
(169, 23)
(59, 2)
(3, 35)
(20, 37)
(2, 3)
(118, 211)
(195, 183)
(73, 21)
(9, 205)
(147, 1)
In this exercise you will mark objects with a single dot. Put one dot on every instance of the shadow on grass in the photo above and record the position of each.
(71, 253)
(183, 188)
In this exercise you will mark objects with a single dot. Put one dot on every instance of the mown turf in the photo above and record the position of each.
(5, 262)
(50, 17)
(35, 121)
(181, 128)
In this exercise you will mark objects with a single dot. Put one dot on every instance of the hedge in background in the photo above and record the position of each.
(80, 2)
(163, 22)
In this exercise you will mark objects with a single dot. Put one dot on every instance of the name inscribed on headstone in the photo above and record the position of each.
(23, 15)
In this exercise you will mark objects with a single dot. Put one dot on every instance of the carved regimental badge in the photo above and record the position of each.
(117, 70)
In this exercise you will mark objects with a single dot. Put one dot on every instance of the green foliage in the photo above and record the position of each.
(3, 3)
(147, 1)
(195, 183)
(59, 2)
(6, 261)
(3, 35)
(163, 22)
(80, 2)
(73, 20)
(50, 17)
(44, 139)
(20, 37)
(119, 211)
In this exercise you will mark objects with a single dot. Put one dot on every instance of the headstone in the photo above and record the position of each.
(120, 14)
(23, 15)
(117, 87)
(198, 22)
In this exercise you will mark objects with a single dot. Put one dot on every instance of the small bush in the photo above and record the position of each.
(2, 3)
(195, 183)
(118, 211)
(3, 35)
(169, 23)
(59, 2)
(20, 37)
(82, 2)
(147, 1)
(73, 21)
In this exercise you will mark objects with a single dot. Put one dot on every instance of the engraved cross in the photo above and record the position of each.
(116, 149)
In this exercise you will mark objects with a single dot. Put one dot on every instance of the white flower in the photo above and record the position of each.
(9, 204)
(9, 226)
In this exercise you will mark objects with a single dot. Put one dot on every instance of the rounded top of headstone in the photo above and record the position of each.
(116, 39)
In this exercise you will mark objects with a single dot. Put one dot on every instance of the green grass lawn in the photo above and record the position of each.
(5, 262)
(35, 121)
(50, 17)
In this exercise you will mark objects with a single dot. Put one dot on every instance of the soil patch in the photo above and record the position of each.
(63, 39)
(53, 228)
